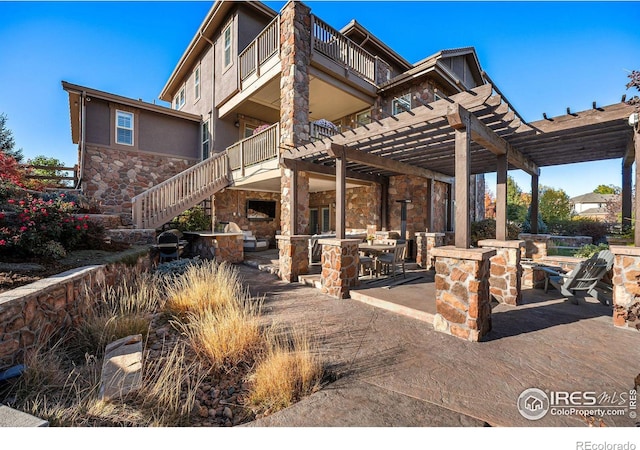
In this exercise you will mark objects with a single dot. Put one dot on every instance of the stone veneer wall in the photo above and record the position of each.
(31, 315)
(340, 260)
(112, 177)
(226, 247)
(295, 56)
(505, 276)
(293, 256)
(362, 205)
(231, 206)
(535, 245)
(407, 187)
(462, 292)
(626, 287)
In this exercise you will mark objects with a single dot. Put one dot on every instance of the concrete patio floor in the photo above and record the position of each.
(394, 370)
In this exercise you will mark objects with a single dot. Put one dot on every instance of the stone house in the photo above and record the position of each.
(252, 83)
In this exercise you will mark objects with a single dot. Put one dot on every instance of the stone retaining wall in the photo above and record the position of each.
(31, 315)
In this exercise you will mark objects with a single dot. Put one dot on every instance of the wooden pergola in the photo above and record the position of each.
(473, 132)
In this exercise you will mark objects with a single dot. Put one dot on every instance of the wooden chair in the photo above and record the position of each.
(366, 263)
(392, 260)
(583, 279)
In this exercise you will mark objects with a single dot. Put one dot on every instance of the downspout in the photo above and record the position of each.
(83, 117)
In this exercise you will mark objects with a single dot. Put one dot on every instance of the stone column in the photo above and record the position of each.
(535, 245)
(425, 243)
(462, 292)
(293, 256)
(421, 250)
(505, 276)
(340, 260)
(626, 287)
(295, 56)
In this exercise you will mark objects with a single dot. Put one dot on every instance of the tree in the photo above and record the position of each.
(489, 204)
(554, 204)
(607, 189)
(516, 203)
(7, 143)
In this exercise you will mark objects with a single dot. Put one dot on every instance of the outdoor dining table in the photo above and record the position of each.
(375, 250)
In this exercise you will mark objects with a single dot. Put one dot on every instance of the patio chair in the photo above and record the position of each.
(583, 279)
(392, 260)
(367, 263)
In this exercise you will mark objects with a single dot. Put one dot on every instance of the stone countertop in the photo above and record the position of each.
(211, 233)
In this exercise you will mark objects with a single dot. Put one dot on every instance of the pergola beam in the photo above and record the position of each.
(458, 117)
(329, 170)
(353, 155)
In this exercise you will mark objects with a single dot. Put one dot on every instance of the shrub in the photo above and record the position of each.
(194, 219)
(588, 250)
(486, 229)
(579, 227)
(289, 371)
(45, 228)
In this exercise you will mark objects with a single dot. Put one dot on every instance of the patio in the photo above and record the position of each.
(395, 371)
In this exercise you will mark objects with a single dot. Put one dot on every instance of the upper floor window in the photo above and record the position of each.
(180, 99)
(401, 104)
(124, 128)
(227, 46)
(196, 83)
(206, 138)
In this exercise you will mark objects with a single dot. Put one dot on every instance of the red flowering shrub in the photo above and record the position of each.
(47, 228)
(10, 171)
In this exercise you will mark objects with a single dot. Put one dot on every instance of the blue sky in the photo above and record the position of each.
(544, 56)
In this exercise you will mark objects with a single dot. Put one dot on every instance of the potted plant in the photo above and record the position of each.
(370, 238)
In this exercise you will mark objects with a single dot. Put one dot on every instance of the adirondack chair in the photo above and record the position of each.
(583, 279)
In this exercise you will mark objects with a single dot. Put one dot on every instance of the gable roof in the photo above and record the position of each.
(438, 66)
(201, 39)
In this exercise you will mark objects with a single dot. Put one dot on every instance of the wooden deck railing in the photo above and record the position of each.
(342, 50)
(52, 173)
(166, 200)
(254, 149)
(263, 47)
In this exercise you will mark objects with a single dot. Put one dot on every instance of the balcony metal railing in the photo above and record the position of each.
(342, 50)
(263, 47)
(255, 149)
(319, 131)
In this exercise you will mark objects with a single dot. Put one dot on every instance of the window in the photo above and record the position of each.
(248, 130)
(227, 46)
(363, 118)
(196, 83)
(179, 100)
(124, 128)
(206, 138)
(319, 220)
(401, 104)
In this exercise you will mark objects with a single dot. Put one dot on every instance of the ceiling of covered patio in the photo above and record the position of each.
(424, 138)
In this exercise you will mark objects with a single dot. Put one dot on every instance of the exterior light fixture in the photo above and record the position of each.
(633, 119)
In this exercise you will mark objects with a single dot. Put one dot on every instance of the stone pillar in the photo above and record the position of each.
(535, 245)
(293, 257)
(295, 56)
(425, 243)
(340, 260)
(463, 306)
(505, 278)
(626, 287)
(421, 250)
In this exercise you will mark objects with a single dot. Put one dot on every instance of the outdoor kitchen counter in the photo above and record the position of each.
(219, 245)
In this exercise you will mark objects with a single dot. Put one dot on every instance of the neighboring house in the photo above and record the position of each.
(249, 85)
(594, 206)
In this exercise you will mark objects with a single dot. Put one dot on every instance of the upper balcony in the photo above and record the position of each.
(340, 70)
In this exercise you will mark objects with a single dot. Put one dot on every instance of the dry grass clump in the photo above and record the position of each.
(206, 286)
(289, 371)
(120, 311)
